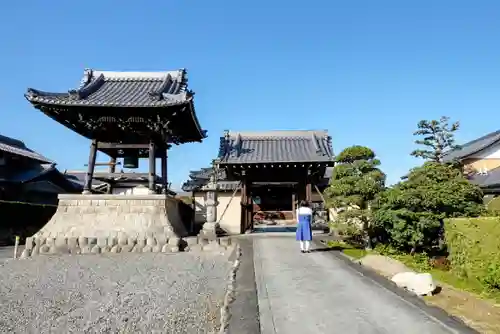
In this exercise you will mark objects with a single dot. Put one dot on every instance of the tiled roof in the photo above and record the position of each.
(17, 147)
(472, 147)
(275, 146)
(121, 89)
(489, 179)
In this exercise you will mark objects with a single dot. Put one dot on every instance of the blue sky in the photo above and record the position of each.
(366, 70)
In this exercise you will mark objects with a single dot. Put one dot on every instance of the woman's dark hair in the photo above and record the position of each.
(304, 203)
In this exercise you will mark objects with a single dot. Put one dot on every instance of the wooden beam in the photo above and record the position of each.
(121, 146)
(152, 167)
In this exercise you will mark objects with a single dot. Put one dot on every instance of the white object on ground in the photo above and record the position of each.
(419, 284)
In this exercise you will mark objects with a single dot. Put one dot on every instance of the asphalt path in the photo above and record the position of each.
(322, 292)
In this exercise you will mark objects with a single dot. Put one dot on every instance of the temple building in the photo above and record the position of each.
(263, 173)
(29, 186)
(127, 116)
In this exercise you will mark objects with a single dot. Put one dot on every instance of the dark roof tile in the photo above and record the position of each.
(121, 89)
(275, 146)
(17, 147)
(488, 179)
(473, 147)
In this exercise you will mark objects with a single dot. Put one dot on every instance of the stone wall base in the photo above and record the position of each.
(112, 216)
(122, 244)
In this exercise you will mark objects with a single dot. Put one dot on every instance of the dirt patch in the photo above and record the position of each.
(479, 314)
(482, 315)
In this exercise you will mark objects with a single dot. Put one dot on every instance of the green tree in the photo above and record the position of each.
(409, 216)
(356, 180)
(437, 137)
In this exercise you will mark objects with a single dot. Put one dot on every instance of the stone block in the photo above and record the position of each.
(137, 249)
(96, 250)
(29, 244)
(132, 241)
(86, 249)
(141, 241)
(122, 240)
(83, 241)
(105, 249)
(72, 242)
(165, 248)
(150, 241)
(116, 249)
(161, 239)
(127, 248)
(147, 249)
(61, 242)
(157, 249)
(44, 249)
(174, 249)
(53, 249)
(112, 241)
(39, 241)
(174, 241)
(420, 284)
(25, 254)
(102, 242)
(35, 250)
(62, 249)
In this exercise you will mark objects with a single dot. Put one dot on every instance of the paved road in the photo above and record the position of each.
(320, 293)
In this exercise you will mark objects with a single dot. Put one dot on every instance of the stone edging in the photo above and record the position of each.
(136, 244)
(225, 315)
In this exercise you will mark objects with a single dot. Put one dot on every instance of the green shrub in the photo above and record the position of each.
(474, 249)
(409, 216)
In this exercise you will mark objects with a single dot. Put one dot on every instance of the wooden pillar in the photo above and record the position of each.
(152, 167)
(112, 165)
(293, 205)
(243, 222)
(87, 187)
(164, 170)
(249, 207)
(308, 187)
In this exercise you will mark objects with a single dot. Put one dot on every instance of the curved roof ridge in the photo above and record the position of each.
(473, 146)
(279, 133)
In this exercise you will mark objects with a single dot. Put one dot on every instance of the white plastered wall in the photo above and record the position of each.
(230, 221)
(139, 190)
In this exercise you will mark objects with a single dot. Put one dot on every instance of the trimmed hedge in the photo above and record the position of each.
(474, 249)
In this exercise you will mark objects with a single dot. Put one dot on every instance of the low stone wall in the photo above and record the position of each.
(122, 244)
(109, 215)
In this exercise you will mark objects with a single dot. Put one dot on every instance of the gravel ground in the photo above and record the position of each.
(119, 293)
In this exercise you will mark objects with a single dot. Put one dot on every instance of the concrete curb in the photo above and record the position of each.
(225, 315)
(450, 322)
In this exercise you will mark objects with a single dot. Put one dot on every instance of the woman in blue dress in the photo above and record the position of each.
(304, 232)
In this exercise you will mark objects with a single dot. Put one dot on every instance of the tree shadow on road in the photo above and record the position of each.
(327, 249)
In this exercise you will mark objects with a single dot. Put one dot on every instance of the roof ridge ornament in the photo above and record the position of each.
(87, 77)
